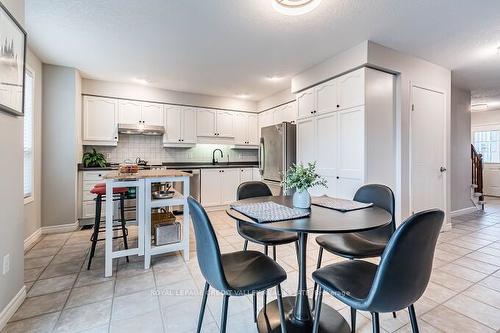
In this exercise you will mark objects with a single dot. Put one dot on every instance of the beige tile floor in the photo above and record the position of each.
(463, 295)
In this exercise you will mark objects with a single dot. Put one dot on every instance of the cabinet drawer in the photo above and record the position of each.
(94, 175)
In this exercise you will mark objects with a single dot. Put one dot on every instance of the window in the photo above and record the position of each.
(28, 135)
(487, 143)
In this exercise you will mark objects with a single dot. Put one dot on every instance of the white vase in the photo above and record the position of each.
(301, 199)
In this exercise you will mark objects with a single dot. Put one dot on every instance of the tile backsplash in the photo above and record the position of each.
(150, 148)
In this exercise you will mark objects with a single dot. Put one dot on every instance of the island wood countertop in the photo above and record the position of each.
(157, 173)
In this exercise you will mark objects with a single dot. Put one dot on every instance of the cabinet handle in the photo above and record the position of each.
(338, 177)
(116, 137)
(338, 105)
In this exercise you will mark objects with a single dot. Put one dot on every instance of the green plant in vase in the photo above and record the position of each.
(302, 178)
(93, 159)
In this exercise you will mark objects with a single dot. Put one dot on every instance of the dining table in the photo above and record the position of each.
(321, 220)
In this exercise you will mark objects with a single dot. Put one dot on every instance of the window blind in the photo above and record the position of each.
(28, 134)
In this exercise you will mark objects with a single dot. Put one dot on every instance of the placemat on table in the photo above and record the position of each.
(269, 211)
(341, 205)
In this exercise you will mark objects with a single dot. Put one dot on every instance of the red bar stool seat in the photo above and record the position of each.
(119, 194)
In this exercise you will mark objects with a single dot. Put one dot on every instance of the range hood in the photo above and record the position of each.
(142, 129)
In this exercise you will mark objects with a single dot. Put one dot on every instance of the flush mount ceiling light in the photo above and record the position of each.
(295, 7)
(243, 95)
(140, 81)
(478, 107)
(273, 78)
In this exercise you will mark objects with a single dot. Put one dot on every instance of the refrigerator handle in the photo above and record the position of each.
(261, 156)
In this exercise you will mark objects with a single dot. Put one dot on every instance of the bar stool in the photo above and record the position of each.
(118, 195)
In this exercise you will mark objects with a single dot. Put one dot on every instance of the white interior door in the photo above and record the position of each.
(428, 162)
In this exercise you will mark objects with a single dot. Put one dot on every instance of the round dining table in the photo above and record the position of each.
(321, 220)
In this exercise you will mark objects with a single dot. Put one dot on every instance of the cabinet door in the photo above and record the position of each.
(245, 175)
(266, 118)
(351, 152)
(351, 89)
(225, 124)
(327, 151)
(279, 115)
(173, 129)
(305, 141)
(129, 112)
(326, 97)
(229, 185)
(290, 112)
(100, 117)
(240, 129)
(253, 130)
(152, 114)
(188, 125)
(306, 104)
(256, 174)
(211, 187)
(205, 125)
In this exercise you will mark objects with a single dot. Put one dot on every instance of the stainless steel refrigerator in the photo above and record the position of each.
(277, 152)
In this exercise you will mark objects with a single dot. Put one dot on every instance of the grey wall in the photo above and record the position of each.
(60, 128)
(460, 166)
(11, 194)
(146, 93)
(33, 209)
(490, 117)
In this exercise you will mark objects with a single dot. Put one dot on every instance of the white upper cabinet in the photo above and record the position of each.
(225, 124)
(129, 112)
(289, 112)
(326, 97)
(351, 89)
(180, 125)
(100, 119)
(206, 122)
(306, 103)
(135, 112)
(214, 123)
(266, 118)
(152, 114)
(246, 129)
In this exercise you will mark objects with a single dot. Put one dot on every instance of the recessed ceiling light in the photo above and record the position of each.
(295, 7)
(141, 81)
(274, 78)
(479, 107)
(243, 95)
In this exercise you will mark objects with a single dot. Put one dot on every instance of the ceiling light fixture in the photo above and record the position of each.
(478, 107)
(274, 78)
(295, 7)
(141, 81)
(243, 95)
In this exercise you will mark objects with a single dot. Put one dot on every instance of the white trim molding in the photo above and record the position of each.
(32, 239)
(12, 307)
(463, 211)
(55, 229)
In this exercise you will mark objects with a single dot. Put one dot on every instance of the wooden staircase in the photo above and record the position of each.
(477, 179)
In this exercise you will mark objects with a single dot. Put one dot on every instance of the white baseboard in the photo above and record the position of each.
(56, 229)
(12, 307)
(31, 240)
(463, 211)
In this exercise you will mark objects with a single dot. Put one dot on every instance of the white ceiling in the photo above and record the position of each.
(228, 47)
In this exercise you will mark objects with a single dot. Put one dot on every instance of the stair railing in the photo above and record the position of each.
(477, 171)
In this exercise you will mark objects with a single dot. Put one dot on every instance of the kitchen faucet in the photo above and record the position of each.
(214, 161)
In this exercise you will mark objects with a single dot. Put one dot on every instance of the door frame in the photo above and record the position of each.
(446, 147)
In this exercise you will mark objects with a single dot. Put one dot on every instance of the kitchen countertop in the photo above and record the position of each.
(183, 165)
(156, 173)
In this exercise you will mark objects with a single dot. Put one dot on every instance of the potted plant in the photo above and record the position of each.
(301, 178)
(93, 159)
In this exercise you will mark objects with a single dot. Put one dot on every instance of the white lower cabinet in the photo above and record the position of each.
(219, 186)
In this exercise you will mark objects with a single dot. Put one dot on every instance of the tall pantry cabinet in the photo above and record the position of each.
(347, 126)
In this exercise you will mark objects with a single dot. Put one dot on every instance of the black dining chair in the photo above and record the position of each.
(365, 244)
(397, 283)
(233, 274)
(258, 235)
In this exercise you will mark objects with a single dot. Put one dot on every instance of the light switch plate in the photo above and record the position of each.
(6, 264)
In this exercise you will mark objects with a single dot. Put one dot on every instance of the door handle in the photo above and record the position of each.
(442, 169)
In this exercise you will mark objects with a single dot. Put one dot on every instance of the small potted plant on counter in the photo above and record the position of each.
(93, 159)
(301, 178)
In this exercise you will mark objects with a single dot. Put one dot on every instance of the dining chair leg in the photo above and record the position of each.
(203, 306)
(255, 307)
(394, 315)
(318, 265)
(413, 319)
(245, 245)
(317, 310)
(375, 322)
(223, 319)
(95, 232)
(123, 222)
(353, 320)
(281, 308)
(274, 252)
(264, 296)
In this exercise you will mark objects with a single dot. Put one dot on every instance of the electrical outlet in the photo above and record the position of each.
(6, 264)
(107, 155)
